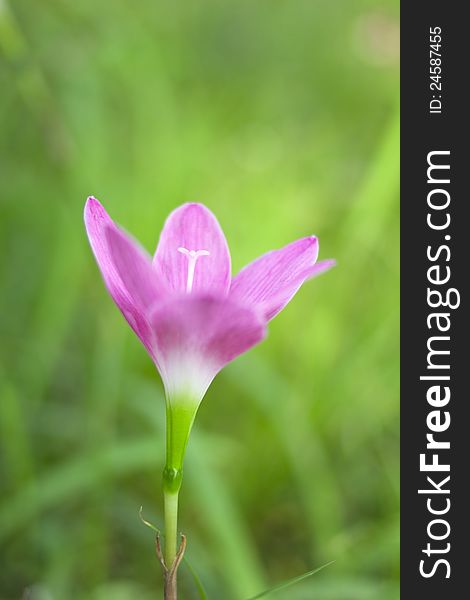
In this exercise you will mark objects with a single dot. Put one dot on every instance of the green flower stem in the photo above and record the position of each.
(171, 526)
(180, 413)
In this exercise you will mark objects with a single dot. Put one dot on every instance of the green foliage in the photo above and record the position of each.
(289, 583)
(283, 119)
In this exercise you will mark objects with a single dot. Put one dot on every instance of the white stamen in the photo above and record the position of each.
(192, 255)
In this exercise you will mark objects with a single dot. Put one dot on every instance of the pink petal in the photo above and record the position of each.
(275, 304)
(272, 280)
(192, 227)
(196, 336)
(134, 267)
(127, 270)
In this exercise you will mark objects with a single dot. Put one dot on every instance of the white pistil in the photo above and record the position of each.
(192, 255)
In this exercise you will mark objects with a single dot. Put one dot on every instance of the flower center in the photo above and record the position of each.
(192, 256)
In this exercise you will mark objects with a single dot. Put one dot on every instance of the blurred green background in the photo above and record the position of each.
(283, 118)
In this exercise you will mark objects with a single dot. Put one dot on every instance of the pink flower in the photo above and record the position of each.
(190, 314)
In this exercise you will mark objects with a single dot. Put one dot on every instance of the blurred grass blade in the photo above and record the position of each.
(237, 552)
(293, 581)
(74, 477)
(197, 581)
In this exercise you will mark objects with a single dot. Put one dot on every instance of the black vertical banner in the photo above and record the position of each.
(435, 344)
